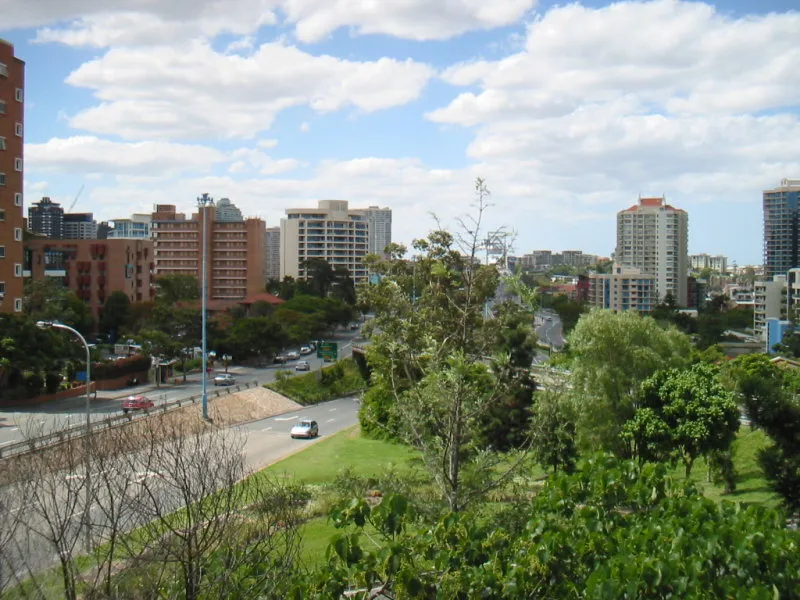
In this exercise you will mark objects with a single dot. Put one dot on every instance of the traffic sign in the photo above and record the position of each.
(328, 351)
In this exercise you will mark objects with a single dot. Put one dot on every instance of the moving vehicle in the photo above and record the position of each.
(137, 403)
(293, 355)
(280, 359)
(224, 379)
(304, 350)
(302, 366)
(305, 429)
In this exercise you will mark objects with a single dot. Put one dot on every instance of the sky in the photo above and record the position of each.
(570, 112)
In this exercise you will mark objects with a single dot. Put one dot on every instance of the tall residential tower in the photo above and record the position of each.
(12, 220)
(654, 237)
(781, 216)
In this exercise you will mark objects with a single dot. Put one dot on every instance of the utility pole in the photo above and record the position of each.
(203, 202)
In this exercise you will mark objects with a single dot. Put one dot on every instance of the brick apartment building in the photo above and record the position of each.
(94, 269)
(236, 250)
(12, 220)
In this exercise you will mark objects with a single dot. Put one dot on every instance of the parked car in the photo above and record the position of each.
(305, 429)
(293, 355)
(224, 379)
(302, 366)
(137, 403)
(305, 350)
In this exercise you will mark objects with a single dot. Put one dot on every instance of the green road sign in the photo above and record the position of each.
(328, 351)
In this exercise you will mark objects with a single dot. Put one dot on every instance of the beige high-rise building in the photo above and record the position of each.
(625, 288)
(236, 251)
(653, 237)
(332, 232)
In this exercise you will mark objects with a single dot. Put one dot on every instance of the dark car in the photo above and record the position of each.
(137, 403)
(280, 359)
(305, 429)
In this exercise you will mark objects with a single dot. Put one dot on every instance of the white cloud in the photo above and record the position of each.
(142, 22)
(305, 127)
(247, 159)
(165, 92)
(410, 19)
(86, 154)
(267, 144)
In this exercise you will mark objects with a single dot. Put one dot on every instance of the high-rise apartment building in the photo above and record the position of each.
(12, 220)
(653, 237)
(137, 227)
(380, 228)
(227, 212)
(236, 251)
(625, 288)
(332, 232)
(781, 225)
(769, 302)
(717, 262)
(46, 218)
(79, 226)
(273, 253)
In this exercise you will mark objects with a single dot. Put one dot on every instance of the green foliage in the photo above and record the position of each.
(569, 311)
(770, 398)
(48, 300)
(553, 431)
(171, 289)
(612, 354)
(120, 368)
(610, 530)
(117, 315)
(377, 416)
(253, 337)
(682, 414)
(341, 379)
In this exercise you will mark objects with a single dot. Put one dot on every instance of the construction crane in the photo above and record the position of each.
(74, 202)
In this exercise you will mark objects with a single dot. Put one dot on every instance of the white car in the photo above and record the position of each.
(292, 355)
(306, 350)
(305, 429)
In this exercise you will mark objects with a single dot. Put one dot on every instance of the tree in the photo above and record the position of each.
(177, 288)
(553, 430)
(569, 311)
(320, 276)
(613, 353)
(683, 414)
(769, 395)
(254, 337)
(117, 315)
(430, 354)
(48, 300)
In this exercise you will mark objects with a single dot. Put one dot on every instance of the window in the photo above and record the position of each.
(18, 164)
(2, 288)
(17, 234)
(2, 251)
(18, 129)
(2, 143)
(2, 107)
(17, 199)
(2, 178)
(17, 270)
(17, 304)
(18, 94)
(3, 70)
(2, 215)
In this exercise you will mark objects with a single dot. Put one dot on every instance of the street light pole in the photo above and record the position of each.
(202, 202)
(88, 475)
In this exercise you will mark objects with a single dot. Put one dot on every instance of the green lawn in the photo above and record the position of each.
(322, 461)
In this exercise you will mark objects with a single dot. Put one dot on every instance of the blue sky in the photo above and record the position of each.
(569, 111)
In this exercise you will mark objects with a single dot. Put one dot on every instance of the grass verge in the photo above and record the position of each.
(340, 379)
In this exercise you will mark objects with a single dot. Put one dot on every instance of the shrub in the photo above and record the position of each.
(120, 368)
(33, 384)
(52, 382)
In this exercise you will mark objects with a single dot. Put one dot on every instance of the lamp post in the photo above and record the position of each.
(203, 202)
(88, 474)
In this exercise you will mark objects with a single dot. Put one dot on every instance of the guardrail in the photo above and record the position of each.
(80, 430)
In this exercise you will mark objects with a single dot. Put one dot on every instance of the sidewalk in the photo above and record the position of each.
(145, 388)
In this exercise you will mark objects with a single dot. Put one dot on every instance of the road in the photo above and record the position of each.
(549, 329)
(57, 415)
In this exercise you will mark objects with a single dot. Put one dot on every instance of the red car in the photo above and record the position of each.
(137, 403)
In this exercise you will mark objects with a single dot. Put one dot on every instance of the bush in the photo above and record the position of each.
(52, 382)
(120, 368)
(33, 384)
(338, 380)
(193, 364)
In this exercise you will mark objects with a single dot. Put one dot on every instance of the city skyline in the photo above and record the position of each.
(278, 104)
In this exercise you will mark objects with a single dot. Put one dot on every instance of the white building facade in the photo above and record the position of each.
(653, 237)
(380, 228)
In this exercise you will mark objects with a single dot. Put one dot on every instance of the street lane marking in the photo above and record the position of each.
(292, 418)
(266, 428)
(331, 410)
(330, 420)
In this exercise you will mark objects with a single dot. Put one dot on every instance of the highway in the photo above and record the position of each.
(57, 415)
(549, 330)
